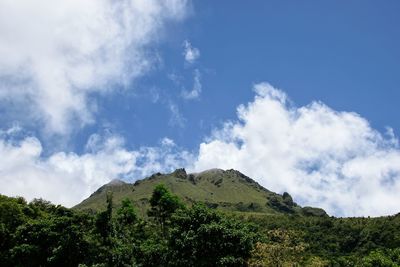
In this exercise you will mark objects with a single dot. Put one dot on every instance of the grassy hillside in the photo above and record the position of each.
(227, 190)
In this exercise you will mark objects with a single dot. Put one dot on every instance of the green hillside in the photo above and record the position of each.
(39, 233)
(227, 190)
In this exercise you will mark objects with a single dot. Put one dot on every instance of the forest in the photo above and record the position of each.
(39, 233)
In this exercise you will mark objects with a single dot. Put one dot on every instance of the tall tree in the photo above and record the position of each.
(163, 205)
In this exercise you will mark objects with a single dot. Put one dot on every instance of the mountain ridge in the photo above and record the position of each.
(226, 190)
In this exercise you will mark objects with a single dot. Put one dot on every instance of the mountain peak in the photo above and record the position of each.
(116, 182)
(228, 190)
(209, 171)
(180, 173)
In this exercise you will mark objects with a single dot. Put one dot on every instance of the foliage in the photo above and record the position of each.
(42, 234)
(203, 237)
(341, 241)
(163, 205)
(283, 248)
(382, 258)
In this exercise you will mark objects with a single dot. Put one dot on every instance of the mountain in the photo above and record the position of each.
(227, 190)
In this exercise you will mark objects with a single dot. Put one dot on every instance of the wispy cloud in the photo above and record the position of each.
(55, 56)
(176, 118)
(196, 90)
(190, 53)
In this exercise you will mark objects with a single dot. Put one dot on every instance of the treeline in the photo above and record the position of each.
(42, 234)
(327, 241)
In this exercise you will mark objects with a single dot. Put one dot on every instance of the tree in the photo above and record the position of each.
(54, 240)
(120, 235)
(200, 236)
(126, 214)
(283, 248)
(163, 205)
(11, 216)
(104, 224)
(382, 258)
(128, 235)
(104, 227)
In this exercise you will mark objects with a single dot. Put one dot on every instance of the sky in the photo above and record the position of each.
(302, 96)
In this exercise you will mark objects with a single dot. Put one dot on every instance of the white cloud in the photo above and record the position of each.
(190, 53)
(167, 142)
(325, 158)
(176, 118)
(196, 90)
(55, 55)
(68, 178)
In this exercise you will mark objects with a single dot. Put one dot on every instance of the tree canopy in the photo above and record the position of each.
(42, 234)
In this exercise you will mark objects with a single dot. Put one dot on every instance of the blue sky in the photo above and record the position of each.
(344, 54)
(84, 101)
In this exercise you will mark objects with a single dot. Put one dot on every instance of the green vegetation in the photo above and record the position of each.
(228, 190)
(203, 237)
(42, 234)
(327, 241)
(177, 232)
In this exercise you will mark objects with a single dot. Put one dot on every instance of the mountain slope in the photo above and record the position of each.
(227, 190)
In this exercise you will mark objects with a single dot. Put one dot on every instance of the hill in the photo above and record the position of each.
(227, 190)
(262, 233)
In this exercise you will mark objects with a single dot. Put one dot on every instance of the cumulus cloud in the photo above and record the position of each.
(325, 158)
(196, 90)
(55, 55)
(190, 53)
(68, 178)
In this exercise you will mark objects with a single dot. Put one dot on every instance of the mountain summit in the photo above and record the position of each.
(228, 190)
